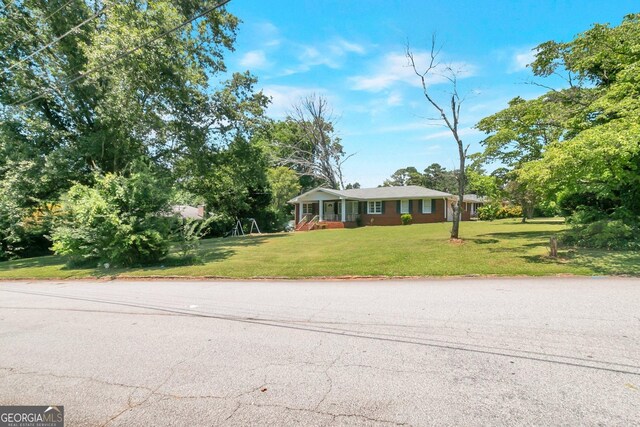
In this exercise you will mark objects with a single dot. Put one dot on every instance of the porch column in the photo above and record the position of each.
(321, 211)
(343, 205)
(301, 212)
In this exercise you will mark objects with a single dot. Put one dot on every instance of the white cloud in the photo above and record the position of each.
(521, 59)
(407, 127)
(447, 134)
(254, 59)
(394, 68)
(332, 54)
(341, 45)
(394, 98)
(284, 97)
(268, 33)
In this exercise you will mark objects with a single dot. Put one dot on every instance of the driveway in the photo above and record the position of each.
(543, 351)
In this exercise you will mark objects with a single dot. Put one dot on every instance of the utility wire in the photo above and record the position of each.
(127, 52)
(45, 19)
(57, 39)
(8, 5)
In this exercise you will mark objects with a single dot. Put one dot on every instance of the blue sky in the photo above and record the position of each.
(352, 52)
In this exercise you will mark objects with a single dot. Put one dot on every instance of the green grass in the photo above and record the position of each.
(504, 247)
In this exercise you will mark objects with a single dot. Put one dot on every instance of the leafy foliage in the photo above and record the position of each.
(434, 176)
(579, 145)
(117, 221)
(492, 211)
(605, 234)
(163, 102)
(188, 234)
(284, 186)
(406, 219)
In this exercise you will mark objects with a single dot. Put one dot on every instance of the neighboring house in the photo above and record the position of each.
(375, 206)
(188, 212)
(472, 202)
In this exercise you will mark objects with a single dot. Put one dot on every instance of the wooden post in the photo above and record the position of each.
(553, 245)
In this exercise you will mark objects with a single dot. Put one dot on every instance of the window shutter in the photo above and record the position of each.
(363, 207)
(433, 206)
(421, 205)
(410, 206)
(382, 203)
(398, 206)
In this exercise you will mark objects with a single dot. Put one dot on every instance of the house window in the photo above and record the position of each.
(307, 208)
(426, 206)
(374, 207)
(404, 206)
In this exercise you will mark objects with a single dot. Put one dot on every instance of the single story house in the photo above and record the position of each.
(375, 206)
(187, 212)
(473, 202)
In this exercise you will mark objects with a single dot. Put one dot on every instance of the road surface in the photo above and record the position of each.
(549, 351)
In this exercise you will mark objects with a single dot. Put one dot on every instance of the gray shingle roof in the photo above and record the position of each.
(378, 193)
(405, 192)
(474, 198)
(186, 211)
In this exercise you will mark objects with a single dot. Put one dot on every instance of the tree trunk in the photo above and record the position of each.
(457, 210)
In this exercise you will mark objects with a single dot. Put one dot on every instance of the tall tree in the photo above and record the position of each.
(596, 156)
(449, 115)
(520, 134)
(439, 178)
(404, 176)
(91, 84)
(319, 152)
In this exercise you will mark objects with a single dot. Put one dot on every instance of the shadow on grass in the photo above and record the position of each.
(211, 250)
(520, 235)
(608, 262)
(549, 221)
(483, 241)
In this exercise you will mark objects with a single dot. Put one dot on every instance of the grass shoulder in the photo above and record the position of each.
(503, 247)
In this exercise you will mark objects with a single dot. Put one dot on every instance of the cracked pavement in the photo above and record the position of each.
(543, 351)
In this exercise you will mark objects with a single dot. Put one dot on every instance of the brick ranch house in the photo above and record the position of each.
(323, 207)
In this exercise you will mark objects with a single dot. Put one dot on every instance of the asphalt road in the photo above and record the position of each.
(562, 351)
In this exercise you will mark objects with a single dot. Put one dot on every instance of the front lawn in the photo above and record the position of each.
(504, 247)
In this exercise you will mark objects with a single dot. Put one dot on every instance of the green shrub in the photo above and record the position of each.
(546, 209)
(488, 212)
(406, 219)
(509, 212)
(604, 234)
(187, 235)
(118, 221)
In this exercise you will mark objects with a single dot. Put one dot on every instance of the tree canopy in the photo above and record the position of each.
(579, 145)
(87, 86)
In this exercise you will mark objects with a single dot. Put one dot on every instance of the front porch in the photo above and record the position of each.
(327, 214)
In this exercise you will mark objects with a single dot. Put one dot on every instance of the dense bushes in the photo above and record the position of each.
(117, 221)
(493, 211)
(605, 234)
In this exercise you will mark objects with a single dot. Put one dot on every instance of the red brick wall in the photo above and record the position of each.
(391, 215)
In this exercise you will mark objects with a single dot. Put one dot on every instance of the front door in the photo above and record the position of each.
(330, 211)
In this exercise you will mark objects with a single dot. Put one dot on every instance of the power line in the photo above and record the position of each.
(8, 5)
(57, 39)
(127, 52)
(45, 19)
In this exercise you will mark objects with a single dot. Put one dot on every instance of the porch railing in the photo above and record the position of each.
(352, 217)
(338, 217)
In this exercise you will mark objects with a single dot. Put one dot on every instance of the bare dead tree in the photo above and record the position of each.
(449, 115)
(319, 153)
